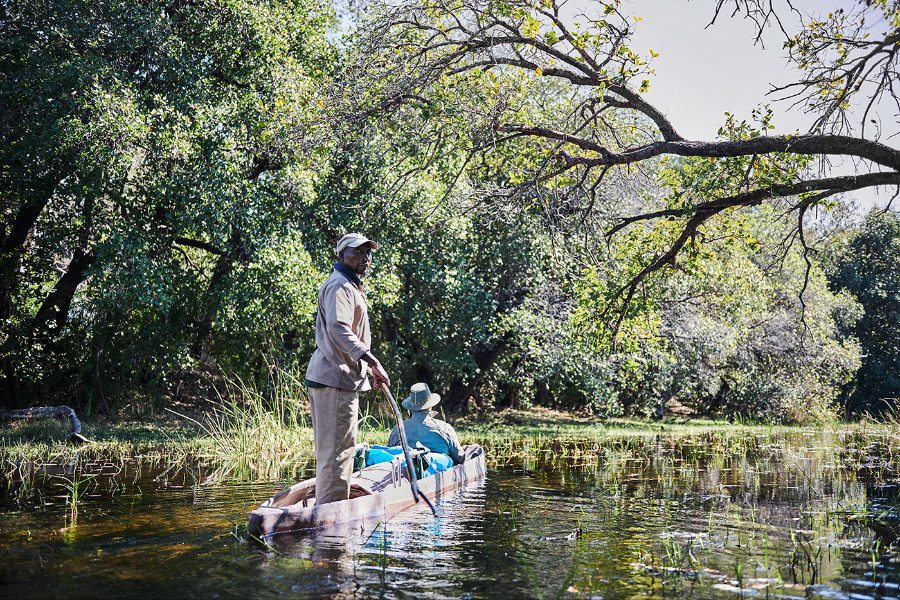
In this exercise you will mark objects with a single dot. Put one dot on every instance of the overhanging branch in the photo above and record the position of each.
(829, 186)
(834, 145)
(181, 241)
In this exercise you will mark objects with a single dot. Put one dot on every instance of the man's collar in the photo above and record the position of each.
(343, 270)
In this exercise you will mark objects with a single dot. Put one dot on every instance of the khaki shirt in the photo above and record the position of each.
(342, 336)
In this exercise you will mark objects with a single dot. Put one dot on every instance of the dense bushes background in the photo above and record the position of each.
(173, 186)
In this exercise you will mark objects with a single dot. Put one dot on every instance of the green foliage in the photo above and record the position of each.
(747, 344)
(867, 265)
(165, 143)
(722, 332)
(690, 180)
(272, 296)
(445, 315)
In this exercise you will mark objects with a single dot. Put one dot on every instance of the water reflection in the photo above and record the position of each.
(412, 551)
(807, 514)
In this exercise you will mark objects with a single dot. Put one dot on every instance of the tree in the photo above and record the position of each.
(472, 67)
(444, 284)
(141, 145)
(868, 266)
(723, 333)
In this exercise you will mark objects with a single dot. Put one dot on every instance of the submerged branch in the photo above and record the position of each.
(60, 412)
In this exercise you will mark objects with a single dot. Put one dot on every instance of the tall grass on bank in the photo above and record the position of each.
(594, 447)
(248, 423)
(267, 434)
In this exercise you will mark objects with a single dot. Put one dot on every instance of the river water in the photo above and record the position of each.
(775, 515)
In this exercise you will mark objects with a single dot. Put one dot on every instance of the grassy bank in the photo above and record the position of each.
(258, 427)
(250, 436)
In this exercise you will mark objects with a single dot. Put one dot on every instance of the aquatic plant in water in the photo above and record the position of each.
(76, 486)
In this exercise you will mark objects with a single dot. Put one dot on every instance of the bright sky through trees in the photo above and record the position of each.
(703, 72)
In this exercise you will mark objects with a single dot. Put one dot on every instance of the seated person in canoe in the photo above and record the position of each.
(422, 428)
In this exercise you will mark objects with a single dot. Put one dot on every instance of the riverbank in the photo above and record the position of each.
(708, 512)
(248, 432)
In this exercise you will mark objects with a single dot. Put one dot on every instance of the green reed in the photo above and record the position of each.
(75, 487)
(255, 434)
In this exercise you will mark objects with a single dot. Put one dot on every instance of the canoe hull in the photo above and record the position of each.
(267, 519)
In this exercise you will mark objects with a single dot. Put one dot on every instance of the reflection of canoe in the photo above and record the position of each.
(379, 490)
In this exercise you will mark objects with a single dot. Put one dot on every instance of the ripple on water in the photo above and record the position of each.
(780, 517)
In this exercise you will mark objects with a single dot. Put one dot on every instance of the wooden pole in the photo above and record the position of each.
(410, 469)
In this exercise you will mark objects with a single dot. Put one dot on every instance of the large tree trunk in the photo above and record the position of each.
(51, 317)
(14, 236)
(460, 391)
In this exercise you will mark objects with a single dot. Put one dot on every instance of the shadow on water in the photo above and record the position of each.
(764, 514)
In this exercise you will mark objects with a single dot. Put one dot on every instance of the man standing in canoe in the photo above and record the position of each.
(337, 371)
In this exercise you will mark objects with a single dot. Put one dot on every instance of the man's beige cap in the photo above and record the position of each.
(354, 240)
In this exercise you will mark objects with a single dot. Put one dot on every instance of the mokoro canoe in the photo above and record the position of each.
(376, 491)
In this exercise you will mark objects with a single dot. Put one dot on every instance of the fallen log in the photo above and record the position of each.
(60, 412)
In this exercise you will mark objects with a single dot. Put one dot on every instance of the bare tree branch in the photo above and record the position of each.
(480, 69)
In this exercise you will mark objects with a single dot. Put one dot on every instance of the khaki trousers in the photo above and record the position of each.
(334, 415)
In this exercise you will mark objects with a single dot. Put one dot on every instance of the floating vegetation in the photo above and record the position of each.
(751, 510)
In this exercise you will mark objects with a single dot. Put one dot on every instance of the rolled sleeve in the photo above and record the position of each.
(455, 449)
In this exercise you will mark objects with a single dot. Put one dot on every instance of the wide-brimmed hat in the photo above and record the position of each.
(354, 240)
(420, 398)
